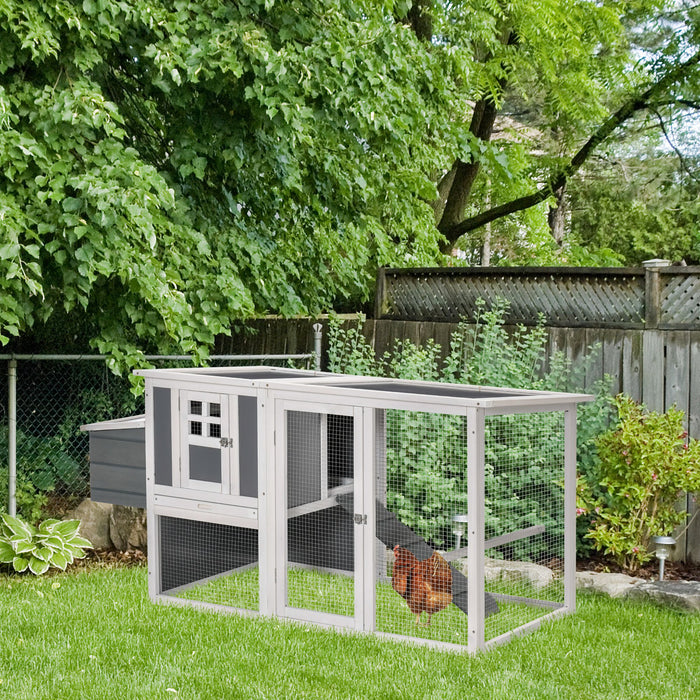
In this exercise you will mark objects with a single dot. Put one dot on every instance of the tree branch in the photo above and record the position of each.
(672, 145)
(639, 102)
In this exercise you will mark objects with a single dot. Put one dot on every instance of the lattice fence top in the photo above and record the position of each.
(569, 297)
(680, 299)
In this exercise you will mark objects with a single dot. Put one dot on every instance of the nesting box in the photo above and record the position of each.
(118, 461)
(340, 501)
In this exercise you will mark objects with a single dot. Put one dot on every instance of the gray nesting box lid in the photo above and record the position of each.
(116, 424)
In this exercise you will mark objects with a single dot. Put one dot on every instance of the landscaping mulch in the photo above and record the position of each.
(673, 571)
(106, 559)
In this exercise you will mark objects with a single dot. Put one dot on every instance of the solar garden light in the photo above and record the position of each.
(664, 544)
(459, 527)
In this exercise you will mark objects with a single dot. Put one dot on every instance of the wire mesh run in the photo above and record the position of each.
(319, 526)
(524, 525)
(421, 483)
(209, 562)
(422, 575)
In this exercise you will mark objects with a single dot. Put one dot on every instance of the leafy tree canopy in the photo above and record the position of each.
(646, 71)
(168, 168)
(642, 203)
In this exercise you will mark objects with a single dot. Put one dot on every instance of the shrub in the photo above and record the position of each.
(646, 462)
(53, 543)
(44, 462)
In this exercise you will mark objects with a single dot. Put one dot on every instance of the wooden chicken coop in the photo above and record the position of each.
(375, 505)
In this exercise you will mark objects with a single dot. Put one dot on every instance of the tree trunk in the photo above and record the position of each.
(557, 215)
(465, 173)
(420, 17)
(486, 245)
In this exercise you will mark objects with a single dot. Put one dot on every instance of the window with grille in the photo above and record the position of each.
(206, 459)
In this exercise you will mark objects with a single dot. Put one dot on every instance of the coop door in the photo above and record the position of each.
(206, 441)
(320, 534)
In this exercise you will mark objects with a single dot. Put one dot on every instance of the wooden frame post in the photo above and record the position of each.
(476, 536)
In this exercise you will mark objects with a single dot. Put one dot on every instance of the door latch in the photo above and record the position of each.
(360, 519)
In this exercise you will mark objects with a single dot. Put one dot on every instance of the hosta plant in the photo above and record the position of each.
(52, 543)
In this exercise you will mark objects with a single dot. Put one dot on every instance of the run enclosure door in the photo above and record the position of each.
(320, 457)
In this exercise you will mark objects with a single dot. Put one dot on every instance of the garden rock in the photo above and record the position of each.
(613, 585)
(94, 522)
(127, 528)
(535, 575)
(682, 595)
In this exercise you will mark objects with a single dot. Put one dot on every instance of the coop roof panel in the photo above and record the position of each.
(431, 389)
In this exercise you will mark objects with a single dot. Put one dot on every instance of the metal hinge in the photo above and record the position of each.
(360, 519)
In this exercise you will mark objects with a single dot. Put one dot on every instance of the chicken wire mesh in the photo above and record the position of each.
(208, 562)
(320, 537)
(421, 491)
(421, 483)
(54, 397)
(524, 523)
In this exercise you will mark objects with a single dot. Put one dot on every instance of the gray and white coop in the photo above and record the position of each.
(286, 493)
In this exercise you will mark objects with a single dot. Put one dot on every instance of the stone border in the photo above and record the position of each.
(680, 595)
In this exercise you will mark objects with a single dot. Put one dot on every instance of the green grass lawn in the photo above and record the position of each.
(333, 593)
(95, 634)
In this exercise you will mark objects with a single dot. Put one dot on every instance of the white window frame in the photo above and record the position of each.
(228, 419)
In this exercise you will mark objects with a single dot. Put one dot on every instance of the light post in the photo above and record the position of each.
(459, 527)
(664, 545)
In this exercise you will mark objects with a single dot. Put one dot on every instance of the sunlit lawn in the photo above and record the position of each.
(333, 593)
(95, 634)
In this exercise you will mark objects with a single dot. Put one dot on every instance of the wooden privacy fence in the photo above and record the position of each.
(647, 322)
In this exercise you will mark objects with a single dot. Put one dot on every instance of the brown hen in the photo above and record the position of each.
(425, 585)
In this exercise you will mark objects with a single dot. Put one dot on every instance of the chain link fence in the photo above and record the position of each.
(44, 456)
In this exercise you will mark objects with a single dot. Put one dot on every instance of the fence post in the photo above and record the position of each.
(318, 336)
(12, 435)
(652, 291)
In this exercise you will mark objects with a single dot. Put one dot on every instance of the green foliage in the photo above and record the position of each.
(641, 207)
(43, 463)
(646, 463)
(348, 350)
(169, 168)
(53, 543)
(427, 453)
(30, 501)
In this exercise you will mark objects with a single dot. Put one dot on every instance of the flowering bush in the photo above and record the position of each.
(646, 463)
